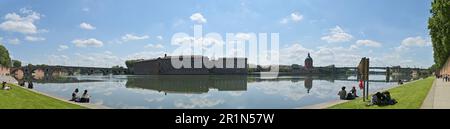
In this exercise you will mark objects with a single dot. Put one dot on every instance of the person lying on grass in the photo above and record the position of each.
(382, 99)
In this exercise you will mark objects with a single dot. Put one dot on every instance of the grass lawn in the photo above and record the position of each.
(19, 98)
(409, 96)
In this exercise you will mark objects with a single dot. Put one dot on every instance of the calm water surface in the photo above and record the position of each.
(229, 92)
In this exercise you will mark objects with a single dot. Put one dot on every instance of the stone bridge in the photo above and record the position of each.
(389, 70)
(66, 70)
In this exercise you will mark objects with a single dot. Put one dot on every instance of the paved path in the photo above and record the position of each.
(438, 96)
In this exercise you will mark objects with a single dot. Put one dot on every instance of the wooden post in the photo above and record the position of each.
(363, 72)
(367, 77)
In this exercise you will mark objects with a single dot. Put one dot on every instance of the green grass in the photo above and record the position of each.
(409, 96)
(19, 98)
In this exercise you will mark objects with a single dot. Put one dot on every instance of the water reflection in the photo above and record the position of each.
(199, 84)
(188, 84)
(215, 91)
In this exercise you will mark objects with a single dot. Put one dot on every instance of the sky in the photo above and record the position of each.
(105, 33)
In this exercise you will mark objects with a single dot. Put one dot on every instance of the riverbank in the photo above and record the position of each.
(409, 96)
(21, 98)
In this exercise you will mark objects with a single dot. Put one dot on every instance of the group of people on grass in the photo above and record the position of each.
(83, 99)
(378, 98)
(382, 99)
(21, 83)
(343, 95)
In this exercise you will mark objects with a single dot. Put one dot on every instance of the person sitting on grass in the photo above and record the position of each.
(377, 99)
(387, 99)
(21, 83)
(30, 85)
(400, 82)
(353, 91)
(350, 96)
(85, 97)
(382, 99)
(5, 87)
(342, 94)
(75, 96)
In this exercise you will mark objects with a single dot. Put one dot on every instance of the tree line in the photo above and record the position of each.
(5, 59)
(439, 26)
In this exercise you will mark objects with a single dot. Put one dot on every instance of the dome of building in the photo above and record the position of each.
(308, 58)
(308, 62)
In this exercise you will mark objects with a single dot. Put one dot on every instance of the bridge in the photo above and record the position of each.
(388, 70)
(48, 70)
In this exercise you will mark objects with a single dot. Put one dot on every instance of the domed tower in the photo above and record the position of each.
(309, 62)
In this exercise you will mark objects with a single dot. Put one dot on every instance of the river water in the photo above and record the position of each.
(222, 92)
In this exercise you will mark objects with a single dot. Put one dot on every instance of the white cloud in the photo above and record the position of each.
(336, 35)
(198, 18)
(415, 41)
(131, 37)
(159, 37)
(14, 41)
(349, 56)
(34, 39)
(86, 26)
(294, 17)
(88, 42)
(411, 42)
(157, 46)
(62, 47)
(368, 43)
(22, 24)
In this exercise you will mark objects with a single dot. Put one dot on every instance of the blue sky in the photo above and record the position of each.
(106, 32)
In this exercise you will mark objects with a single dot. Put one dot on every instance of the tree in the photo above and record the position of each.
(17, 63)
(130, 63)
(5, 60)
(439, 26)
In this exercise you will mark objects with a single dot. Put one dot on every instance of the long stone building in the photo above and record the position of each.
(192, 65)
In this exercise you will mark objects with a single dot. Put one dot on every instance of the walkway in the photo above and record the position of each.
(438, 96)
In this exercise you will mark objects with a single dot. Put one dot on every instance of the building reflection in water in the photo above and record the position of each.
(308, 83)
(188, 84)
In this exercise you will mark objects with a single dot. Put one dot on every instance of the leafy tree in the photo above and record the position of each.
(130, 63)
(16, 63)
(5, 60)
(439, 26)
